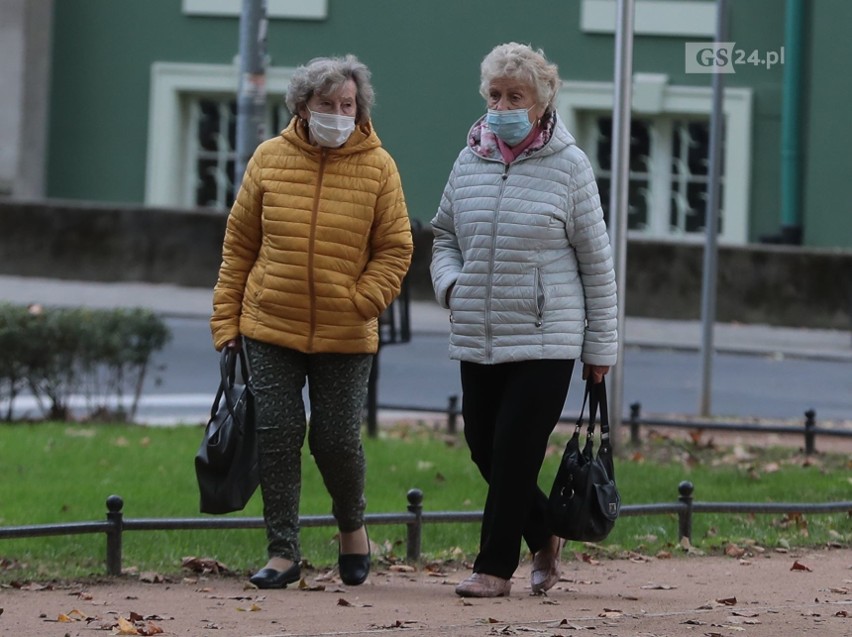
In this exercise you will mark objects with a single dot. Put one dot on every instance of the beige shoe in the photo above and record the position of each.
(545, 566)
(483, 585)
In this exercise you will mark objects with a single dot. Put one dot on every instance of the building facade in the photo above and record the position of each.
(139, 100)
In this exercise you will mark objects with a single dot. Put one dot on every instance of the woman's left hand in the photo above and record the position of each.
(597, 371)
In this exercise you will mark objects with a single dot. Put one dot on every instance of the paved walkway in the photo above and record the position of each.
(428, 317)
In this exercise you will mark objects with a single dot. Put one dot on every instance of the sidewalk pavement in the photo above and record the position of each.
(428, 317)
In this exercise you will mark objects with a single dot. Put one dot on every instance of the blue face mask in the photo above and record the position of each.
(511, 126)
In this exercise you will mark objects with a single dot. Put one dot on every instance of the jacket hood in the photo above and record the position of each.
(553, 137)
(363, 138)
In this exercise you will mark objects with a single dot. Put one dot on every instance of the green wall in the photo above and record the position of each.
(425, 61)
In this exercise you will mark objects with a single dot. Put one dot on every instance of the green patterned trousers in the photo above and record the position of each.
(337, 390)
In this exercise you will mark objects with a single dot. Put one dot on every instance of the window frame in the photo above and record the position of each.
(166, 178)
(654, 97)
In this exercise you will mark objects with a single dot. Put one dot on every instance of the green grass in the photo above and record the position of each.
(57, 473)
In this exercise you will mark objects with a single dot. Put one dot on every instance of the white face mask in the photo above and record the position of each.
(329, 130)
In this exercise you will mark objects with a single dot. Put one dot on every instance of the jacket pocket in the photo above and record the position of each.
(540, 300)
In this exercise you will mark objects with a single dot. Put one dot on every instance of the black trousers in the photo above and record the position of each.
(509, 412)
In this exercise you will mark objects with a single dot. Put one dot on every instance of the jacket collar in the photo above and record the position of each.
(363, 138)
(552, 137)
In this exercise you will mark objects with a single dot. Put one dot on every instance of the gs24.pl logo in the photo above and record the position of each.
(724, 57)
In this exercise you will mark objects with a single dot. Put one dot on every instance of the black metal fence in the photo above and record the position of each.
(809, 429)
(414, 518)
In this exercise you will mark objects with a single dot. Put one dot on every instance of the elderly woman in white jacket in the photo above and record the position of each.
(522, 260)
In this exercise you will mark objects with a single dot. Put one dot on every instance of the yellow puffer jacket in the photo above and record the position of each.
(316, 246)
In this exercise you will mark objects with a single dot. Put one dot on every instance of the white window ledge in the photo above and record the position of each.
(282, 9)
(695, 18)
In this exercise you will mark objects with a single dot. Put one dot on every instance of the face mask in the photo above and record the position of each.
(510, 126)
(329, 130)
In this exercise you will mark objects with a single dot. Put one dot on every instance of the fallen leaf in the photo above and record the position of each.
(304, 586)
(251, 609)
(204, 565)
(32, 586)
(658, 587)
(126, 628)
(402, 568)
(798, 566)
(150, 629)
(727, 601)
(732, 550)
(343, 602)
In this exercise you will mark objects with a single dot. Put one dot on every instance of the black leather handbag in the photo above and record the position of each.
(226, 461)
(584, 502)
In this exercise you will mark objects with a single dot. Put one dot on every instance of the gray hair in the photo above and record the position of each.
(325, 75)
(523, 63)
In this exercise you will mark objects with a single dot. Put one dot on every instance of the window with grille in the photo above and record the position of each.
(668, 173)
(212, 142)
(192, 132)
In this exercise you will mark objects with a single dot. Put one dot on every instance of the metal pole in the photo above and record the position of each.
(711, 225)
(618, 193)
(791, 125)
(251, 98)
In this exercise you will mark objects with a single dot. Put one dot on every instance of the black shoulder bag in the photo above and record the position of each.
(226, 461)
(584, 501)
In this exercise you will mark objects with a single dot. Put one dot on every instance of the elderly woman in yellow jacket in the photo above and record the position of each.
(316, 247)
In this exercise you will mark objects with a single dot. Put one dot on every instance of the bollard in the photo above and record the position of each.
(684, 517)
(452, 409)
(810, 434)
(634, 423)
(415, 528)
(113, 537)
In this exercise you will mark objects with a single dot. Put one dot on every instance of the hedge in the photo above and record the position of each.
(57, 353)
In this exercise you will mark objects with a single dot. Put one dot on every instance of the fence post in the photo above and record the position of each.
(634, 423)
(113, 535)
(810, 434)
(415, 528)
(684, 516)
(452, 409)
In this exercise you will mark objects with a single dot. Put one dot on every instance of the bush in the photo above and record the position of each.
(57, 353)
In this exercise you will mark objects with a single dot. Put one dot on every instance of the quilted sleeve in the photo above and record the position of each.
(447, 259)
(239, 252)
(591, 244)
(391, 247)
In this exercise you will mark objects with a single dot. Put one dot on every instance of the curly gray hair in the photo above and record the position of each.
(523, 63)
(324, 75)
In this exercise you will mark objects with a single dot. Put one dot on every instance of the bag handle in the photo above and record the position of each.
(228, 371)
(596, 395)
(597, 400)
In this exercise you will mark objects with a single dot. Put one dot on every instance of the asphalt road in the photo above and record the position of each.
(419, 373)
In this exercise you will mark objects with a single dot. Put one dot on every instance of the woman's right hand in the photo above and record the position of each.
(233, 344)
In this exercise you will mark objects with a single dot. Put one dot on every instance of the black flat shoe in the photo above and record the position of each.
(354, 567)
(270, 578)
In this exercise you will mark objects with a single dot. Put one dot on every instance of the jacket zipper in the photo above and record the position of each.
(488, 298)
(311, 250)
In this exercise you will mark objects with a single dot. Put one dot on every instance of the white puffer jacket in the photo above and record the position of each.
(524, 252)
